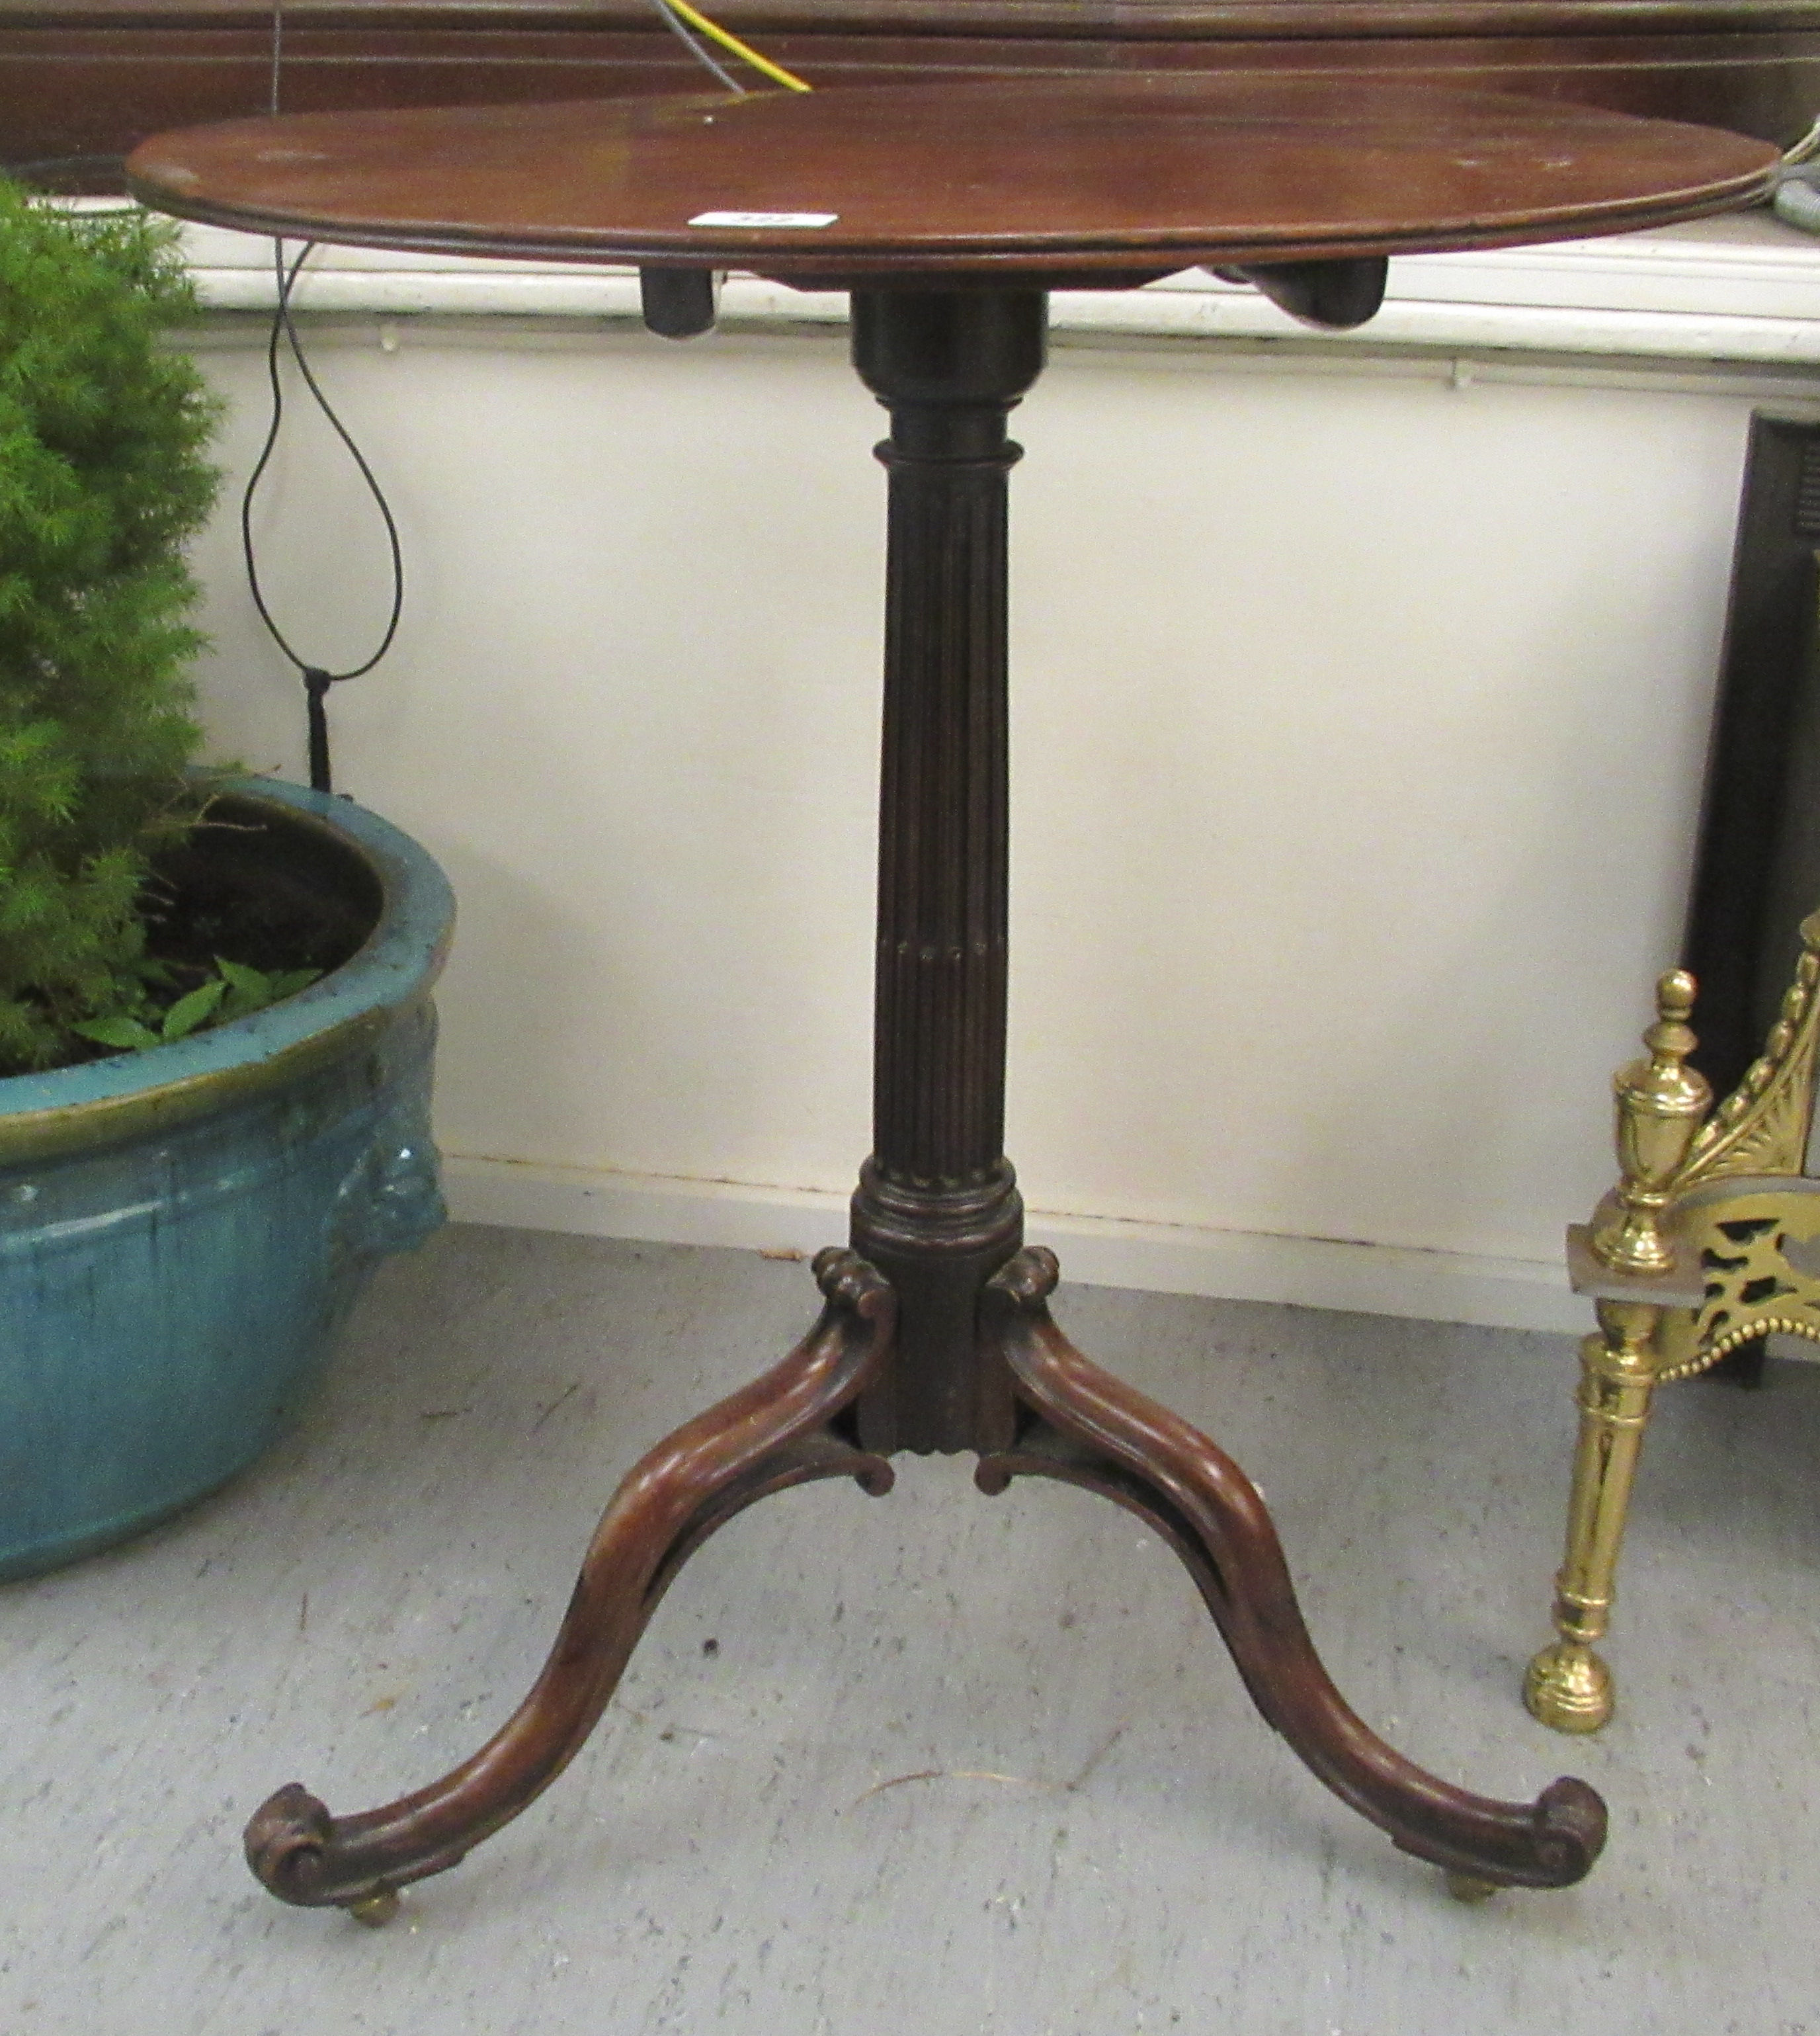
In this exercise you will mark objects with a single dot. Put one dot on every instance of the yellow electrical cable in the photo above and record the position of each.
(713, 29)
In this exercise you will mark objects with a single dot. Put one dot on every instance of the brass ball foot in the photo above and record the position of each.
(376, 1909)
(1469, 1888)
(1569, 1688)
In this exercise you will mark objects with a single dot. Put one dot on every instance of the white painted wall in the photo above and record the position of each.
(1361, 701)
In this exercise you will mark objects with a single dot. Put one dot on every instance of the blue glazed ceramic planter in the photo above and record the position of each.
(181, 1231)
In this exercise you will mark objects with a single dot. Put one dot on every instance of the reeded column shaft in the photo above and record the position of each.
(938, 1103)
(937, 1209)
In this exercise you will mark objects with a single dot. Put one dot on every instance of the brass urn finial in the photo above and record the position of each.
(1661, 1104)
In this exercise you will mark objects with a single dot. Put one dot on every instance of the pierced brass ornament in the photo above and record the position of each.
(1710, 1239)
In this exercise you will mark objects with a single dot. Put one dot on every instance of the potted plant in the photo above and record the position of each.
(215, 1025)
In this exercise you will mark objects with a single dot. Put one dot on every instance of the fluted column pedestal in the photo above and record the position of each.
(937, 1210)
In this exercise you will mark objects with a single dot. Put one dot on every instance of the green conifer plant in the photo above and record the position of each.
(103, 478)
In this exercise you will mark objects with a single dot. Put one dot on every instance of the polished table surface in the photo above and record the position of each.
(949, 211)
(1117, 176)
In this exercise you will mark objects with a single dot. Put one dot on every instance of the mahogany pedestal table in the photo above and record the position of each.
(948, 212)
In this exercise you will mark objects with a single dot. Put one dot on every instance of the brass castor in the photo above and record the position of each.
(1469, 1888)
(376, 1909)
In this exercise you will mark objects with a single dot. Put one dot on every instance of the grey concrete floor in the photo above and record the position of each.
(932, 1763)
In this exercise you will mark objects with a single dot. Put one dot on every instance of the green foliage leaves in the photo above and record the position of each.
(103, 479)
(235, 990)
(251, 990)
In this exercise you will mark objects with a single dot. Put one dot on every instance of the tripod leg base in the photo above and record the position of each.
(1086, 1428)
(773, 1433)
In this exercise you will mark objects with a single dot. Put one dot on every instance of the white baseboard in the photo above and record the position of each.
(1162, 1258)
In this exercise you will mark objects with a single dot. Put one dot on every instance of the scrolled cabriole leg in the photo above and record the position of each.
(1088, 1429)
(1567, 1685)
(772, 1433)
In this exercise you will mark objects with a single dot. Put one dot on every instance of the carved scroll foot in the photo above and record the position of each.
(777, 1432)
(1087, 1429)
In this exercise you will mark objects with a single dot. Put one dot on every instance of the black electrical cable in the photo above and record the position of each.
(317, 680)
(278, 53)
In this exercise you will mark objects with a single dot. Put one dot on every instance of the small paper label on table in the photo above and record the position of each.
(764, 219)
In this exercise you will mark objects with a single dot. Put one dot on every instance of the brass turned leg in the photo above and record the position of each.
(1704, 1246)
(773, 1434)
(1086, 1428)
(1567, 1685)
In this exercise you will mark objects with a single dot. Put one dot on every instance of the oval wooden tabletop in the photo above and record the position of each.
(1083, 174)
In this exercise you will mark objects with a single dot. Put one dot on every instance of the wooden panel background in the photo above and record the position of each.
(83, 81)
